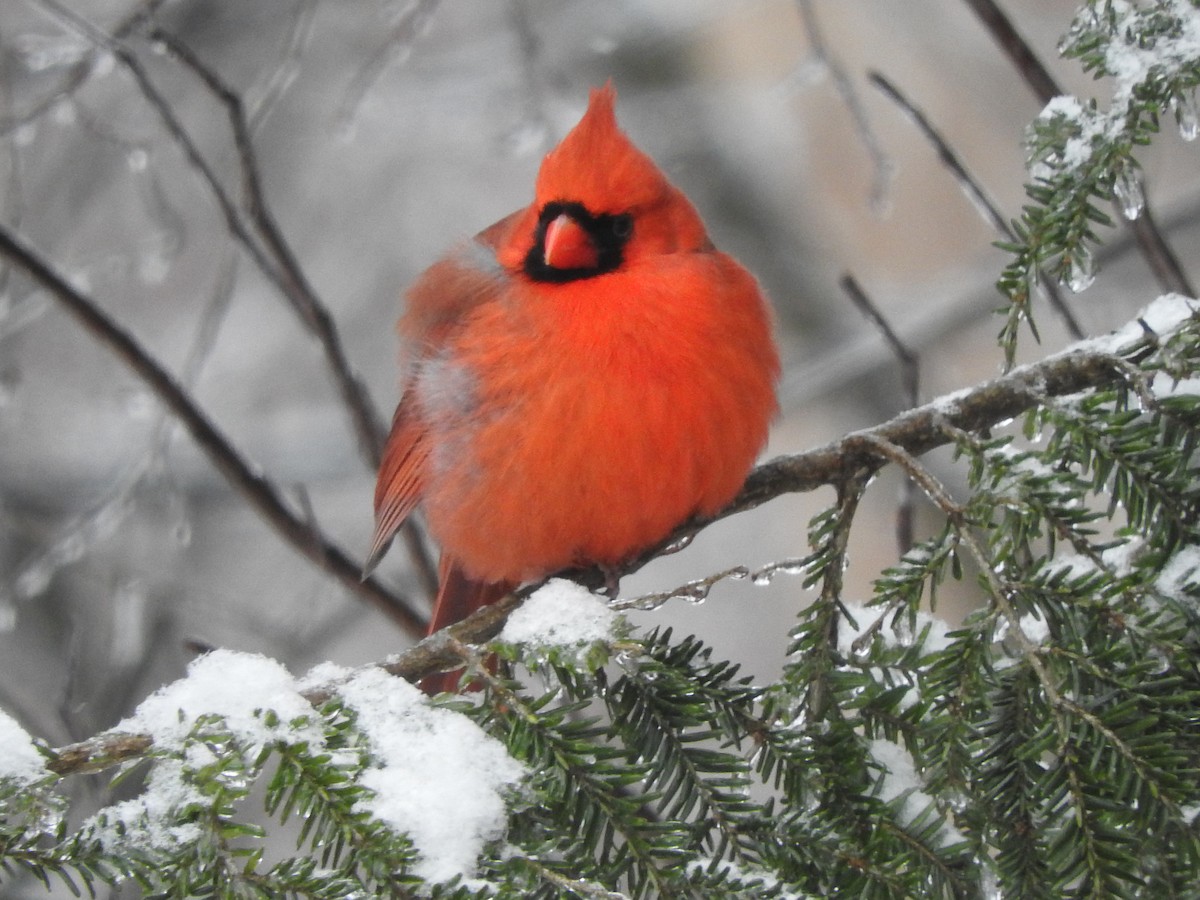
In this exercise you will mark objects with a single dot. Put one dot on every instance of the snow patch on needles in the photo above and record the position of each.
(150, 821)
(437, 777)
(935, 640)
(1164, 316)
(560, 614)
(900, 780)
(19, 757)
(1177, 579)
(238, 687)
(1130, 63)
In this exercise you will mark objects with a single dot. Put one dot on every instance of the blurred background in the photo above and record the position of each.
(385, 131)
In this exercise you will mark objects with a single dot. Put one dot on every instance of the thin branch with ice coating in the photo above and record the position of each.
(258, 490)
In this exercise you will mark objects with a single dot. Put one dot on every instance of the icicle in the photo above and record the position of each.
(676, 546)
(766, 574)
(1083, 270)
(1187, 116)
(1128, 190)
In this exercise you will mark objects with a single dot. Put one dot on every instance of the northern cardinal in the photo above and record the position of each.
(580, 378)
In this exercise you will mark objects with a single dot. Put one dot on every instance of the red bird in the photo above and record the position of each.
(580, 378)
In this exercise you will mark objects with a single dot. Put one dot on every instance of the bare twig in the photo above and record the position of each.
(910, 376)
(395, 47)
(293, 283)
(257, 490)
(295, 287)
(265, 245)
(1155, 250)
(974, 191)
(881, 163)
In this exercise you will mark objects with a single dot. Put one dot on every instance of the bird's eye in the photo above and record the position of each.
(622, 226)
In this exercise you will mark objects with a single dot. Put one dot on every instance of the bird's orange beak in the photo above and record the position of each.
(569, 246)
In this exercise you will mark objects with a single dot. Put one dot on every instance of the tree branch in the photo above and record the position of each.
(258, 491)
(913, 433)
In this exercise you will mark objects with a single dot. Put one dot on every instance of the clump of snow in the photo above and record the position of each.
(1131, 63)
(1035, 628)
(19, 757)
(1090, 125)
(1164, 385)
(936, 639)
(1121, 557)
(900, 779)
(436, 775)
(1072, 565)
(1179, 574)
(150, 821)
(560, 614)
(239, 687)
(1164, 316)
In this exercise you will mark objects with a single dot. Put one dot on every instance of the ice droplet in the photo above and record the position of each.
(25, 134)
(527, 139)
(129, 623)
(1187, 117)
(1128, 190)
(676, 546)
(603, 45)
(1082, 272)
(138, 404)
(103, 64)
(65, 112)
(153, 268)
(34, 581)
(766, 574)
(137, 159)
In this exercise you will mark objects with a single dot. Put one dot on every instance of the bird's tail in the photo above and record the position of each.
(458, 596)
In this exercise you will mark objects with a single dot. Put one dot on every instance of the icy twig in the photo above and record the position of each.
(403, 34)
(882, 165)
(292, 283)
(78, 74)
(258, 490)
(974, 190)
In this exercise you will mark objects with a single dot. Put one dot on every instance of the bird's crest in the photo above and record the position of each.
(598, 166)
